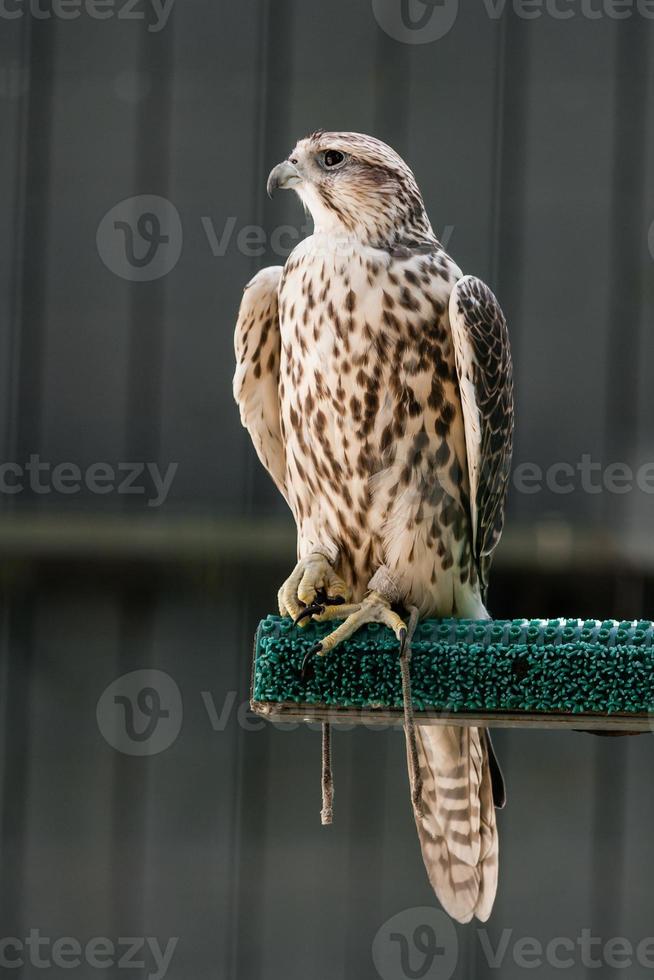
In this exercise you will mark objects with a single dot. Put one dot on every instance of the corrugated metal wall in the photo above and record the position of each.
(533, 142)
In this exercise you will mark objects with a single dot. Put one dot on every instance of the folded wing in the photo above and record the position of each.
(485, 371)
(257, 344)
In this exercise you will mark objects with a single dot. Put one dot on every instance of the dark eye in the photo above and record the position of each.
(332, 158)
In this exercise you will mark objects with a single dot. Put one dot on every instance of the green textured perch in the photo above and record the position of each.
(556, 673)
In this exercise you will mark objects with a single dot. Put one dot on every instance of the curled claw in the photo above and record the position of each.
(327, 600)
(307, 670)
(315, 609)
(337, 600)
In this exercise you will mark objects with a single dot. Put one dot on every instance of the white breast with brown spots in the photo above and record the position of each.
(371, 419)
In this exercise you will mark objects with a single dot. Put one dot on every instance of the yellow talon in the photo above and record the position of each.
(311, 577)
(374, 609)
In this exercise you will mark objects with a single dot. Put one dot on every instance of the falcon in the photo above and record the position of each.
(375, 381)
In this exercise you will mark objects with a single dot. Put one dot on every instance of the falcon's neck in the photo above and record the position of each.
(379, 224)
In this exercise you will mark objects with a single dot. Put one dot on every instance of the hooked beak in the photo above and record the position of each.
(283, 176)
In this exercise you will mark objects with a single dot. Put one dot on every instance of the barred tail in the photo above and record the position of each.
(457, 828)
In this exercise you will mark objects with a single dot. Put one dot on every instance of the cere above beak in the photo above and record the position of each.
(283, 176)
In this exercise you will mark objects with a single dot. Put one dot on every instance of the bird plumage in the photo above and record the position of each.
(375, 381)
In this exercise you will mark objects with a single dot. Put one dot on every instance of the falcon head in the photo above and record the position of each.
(356, 186)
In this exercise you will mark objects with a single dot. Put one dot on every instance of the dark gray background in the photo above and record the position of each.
(533, 142)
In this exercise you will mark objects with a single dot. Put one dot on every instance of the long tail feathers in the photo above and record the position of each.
(457, 830)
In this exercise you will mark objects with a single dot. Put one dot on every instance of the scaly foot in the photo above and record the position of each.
(313, 578)
(375, 608)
